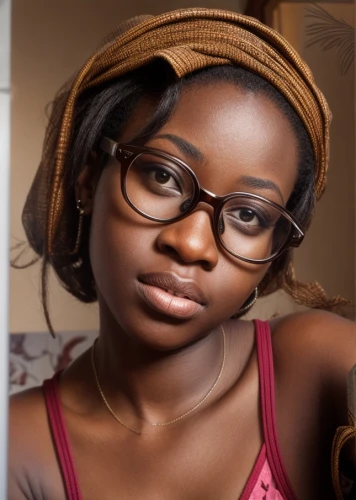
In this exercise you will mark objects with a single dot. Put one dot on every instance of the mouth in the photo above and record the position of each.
(171, 295)
(174, 285)
(177, 294)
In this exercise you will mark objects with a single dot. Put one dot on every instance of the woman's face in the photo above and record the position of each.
(238, 141)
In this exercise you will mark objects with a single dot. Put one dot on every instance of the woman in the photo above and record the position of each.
(180, 167)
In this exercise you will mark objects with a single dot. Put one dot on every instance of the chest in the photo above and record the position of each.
(208, 460)
(210, 456)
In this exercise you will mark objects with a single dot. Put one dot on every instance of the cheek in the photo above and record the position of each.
(235, 282)
(116, 238)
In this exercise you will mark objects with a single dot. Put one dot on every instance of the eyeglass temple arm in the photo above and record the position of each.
(113, 149)
(108, 146)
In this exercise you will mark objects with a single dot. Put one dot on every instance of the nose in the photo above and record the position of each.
(191, 239)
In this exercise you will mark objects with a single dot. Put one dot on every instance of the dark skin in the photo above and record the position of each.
(153, 368)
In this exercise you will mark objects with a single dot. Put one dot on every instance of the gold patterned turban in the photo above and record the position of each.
(188, 40)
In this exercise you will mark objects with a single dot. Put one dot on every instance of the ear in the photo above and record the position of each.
(86, 184)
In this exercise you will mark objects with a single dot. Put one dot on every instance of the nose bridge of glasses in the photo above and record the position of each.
(209, 199)
(208, 202)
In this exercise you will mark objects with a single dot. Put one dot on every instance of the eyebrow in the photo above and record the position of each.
(265, 184)
(185, 147)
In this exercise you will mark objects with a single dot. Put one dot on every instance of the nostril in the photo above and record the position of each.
(168, 249)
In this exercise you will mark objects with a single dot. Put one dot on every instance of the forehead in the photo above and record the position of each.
(239, 134)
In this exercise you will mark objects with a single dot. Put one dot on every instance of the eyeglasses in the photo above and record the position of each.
(164, 189)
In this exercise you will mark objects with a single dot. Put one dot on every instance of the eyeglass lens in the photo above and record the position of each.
(163, 189)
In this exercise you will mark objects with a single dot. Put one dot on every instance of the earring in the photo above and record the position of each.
(80, 228)
(248, 304)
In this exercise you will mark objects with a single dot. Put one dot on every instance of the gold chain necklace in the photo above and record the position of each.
(158, 424)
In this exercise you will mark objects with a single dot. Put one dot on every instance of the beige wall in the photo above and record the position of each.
(329, 251)
(50, 39)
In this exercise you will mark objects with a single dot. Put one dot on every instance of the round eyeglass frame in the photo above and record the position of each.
(126, 154)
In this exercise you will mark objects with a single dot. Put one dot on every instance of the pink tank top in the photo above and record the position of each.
(268, 479)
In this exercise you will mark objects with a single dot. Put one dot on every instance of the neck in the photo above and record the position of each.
(142, 385)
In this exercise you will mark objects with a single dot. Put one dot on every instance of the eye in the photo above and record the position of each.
(161, 179)
(247, 219)
(161, 176)
(248, 216)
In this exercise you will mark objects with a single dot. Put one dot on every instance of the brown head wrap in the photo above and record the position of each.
(188, 40)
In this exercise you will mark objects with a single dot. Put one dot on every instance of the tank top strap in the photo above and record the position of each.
(267, 391)
(60, 438)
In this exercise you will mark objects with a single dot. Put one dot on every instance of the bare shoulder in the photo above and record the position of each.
(27, 418)
(32, 460)
(317, 346)
(317, 336)
(313, 352)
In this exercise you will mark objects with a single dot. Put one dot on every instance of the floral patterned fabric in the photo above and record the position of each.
(265, 487)
(34, 357)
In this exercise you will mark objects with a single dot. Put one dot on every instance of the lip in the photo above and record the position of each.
(158, 289)
(170, 281)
